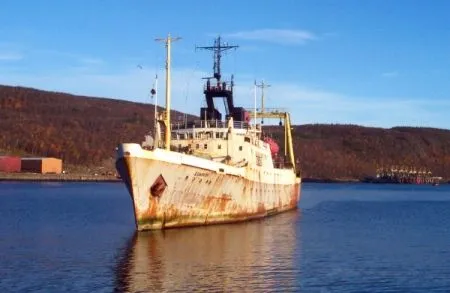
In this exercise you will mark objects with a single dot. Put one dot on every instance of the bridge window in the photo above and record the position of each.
(205, 146)
(240, 148)
(219, 146)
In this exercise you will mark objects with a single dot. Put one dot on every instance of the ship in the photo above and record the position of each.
(222, 168)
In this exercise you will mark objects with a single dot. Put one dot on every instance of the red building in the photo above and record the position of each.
(10, 164)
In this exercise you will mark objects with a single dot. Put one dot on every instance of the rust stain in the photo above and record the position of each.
(261, 208)
(216, 203)
(153, 208)
(223, 202)
(295, 195)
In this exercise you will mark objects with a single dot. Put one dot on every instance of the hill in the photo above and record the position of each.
(349, 151)
(84, 132)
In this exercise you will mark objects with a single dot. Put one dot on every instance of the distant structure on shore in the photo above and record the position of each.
(404, 175)
(10, 164)
(42, 165)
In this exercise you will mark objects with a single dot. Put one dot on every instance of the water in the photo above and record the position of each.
(75, 237)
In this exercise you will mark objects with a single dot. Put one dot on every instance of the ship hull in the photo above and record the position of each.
(167, 192)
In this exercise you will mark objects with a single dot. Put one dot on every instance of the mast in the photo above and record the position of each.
(218, 48)
(220, 89)
(262, 86)
(154, 92)
(168, 129)
(254, 88)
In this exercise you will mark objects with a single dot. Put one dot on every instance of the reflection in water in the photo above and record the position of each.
(253, 256)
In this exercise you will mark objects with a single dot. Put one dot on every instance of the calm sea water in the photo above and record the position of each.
(72, 237)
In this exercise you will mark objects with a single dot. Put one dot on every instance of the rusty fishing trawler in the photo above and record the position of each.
(213, 170)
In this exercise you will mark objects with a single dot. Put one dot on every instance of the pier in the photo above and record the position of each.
(406, 175)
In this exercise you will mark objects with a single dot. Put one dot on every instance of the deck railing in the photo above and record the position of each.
(268, 110)
(208, 124)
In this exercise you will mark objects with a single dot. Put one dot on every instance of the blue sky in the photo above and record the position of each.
(377, 63)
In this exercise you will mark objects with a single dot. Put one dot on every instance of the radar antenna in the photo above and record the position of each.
(221, 89)
(218, 48)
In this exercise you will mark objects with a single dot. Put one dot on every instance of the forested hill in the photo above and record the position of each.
(81, 130)
(85, 131)
(349, 151)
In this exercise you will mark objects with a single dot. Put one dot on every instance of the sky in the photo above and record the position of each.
(374, 63)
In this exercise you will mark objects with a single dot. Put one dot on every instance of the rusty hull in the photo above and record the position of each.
(167, 195)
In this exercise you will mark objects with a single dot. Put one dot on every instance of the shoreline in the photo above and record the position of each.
(76, 177)
(328, 180)
(349, 181)
(35, 177)
(79, 177)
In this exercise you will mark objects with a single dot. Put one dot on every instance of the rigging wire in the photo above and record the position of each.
(234, 64)
(188, 81)
(155, 67)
